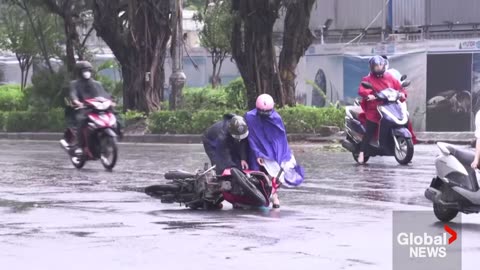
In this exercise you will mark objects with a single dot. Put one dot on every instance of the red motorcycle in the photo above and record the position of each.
(99, 133)
(205, 190)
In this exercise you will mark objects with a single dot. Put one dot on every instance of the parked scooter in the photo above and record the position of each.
(455, 188)
(394, 138)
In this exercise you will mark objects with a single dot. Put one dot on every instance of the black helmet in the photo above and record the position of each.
(377, 61)
(237, 127)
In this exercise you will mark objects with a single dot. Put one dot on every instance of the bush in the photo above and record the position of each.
(3, 118)
(298, 119)
(48, 90)
(237, 94)
(204, 99)
(232, 97)
(31, 121)
(12, 98)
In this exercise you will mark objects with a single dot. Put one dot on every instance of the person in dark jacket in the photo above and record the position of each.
(80, 90)
(225, 145)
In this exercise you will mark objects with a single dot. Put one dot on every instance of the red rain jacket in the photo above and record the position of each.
(379, 84)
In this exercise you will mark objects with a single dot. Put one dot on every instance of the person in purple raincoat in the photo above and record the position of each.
(269, 149)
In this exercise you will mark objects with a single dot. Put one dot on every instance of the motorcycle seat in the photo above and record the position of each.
(356, 112)
(464, 156)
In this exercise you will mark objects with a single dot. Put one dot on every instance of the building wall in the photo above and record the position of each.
(407, 13)
(461, 11)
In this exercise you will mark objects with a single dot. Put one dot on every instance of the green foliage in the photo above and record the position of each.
(134, 115)
(48, 90)
(12, 98)
(298, 119)
(237, 94)
(3, 119)
(16, 33)
(32, 121)
(205, 99)
(231, 97)
(217, 30)
(304, 119)
(194, 4)
(174, 122)
(113, 87)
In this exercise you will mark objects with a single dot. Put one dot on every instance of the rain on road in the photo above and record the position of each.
(56, 217)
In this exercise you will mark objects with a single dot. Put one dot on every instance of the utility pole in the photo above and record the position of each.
(178, 77)
(384, 19)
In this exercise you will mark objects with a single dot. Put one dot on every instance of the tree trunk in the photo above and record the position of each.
(39, 35)
(70, 36)
(24, 63)
(140, 48)
(297, 38)
(214, 79)
(252, 46)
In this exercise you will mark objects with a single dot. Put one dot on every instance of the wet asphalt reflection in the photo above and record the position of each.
(56, 217)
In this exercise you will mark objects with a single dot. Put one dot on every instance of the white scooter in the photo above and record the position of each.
(455, 188)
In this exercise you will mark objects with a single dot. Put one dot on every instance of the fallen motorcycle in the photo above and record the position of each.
(204, 190)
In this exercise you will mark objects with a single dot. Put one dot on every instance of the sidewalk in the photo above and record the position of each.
(423, 137)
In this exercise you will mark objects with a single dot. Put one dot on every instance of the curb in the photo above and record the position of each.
(464, 138)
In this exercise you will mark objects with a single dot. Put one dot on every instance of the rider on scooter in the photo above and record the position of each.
(225, 143)
(379, 80)
(398, 76)
(80, 90)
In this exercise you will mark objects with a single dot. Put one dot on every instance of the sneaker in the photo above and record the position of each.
(78, 151)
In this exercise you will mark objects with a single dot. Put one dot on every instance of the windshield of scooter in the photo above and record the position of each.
(389, 94)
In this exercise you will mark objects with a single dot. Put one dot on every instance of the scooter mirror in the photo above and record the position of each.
(403, 78)
(367, 85)
(406, 84)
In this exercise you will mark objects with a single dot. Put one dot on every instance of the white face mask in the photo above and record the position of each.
(87, 75)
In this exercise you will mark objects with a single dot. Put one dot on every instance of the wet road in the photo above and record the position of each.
(55, 217)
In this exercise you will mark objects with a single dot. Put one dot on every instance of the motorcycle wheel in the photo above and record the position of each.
(157, 191)
(405, 154)
(248, 187)
(365, 158)
(109, 152)
(444, 214)
(78, 162)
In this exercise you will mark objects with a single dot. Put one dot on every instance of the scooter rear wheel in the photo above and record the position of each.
(444, 214)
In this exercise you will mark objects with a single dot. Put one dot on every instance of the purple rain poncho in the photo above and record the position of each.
(268, 140)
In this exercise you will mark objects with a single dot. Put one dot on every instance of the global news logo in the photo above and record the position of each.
(427, 246)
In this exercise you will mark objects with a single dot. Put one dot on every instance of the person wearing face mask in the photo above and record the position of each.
(225, 143)
(268, 145)
(82, 89)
